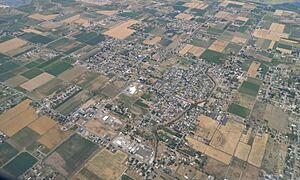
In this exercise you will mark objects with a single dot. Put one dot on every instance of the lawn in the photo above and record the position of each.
(239, 110)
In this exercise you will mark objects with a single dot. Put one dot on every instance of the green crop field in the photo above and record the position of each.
(32, 73)
(6, 153)
(31, 64)
(250, 87)
(90, 38)
(4, 58)
(35, 38)
(239, 110)
(57, 68)
(74, 152)
(20, 164)
(59, 42)
(25, 137)
(8, 66)
(213, 56)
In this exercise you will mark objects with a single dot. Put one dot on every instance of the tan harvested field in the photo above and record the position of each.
(227, 137)
(71, 19)
(107, 12)
(50, 25)
(122, 30)
(206, 127)
(83, 22)
(21, 107)
(253, 69)
(276, 118)
(53, 137)
(98, 83)
(11, 44)
(258, 150)
(225, 15)
(37, 81)
(72, 74)
(106, 165)
(42, 125)
(15, 124)
(242, 151)
(281, 159)
(285, 51)
(42, 17)
(275, 33)
(30, 30)
(238, 40)
(95, 126)
(218, 45)
(197, 145)
(185, 49)
(241, 18)
(16, 81)
(184, 16)
(218, 155)
(276, 27)
(227, 2)
(278, 12)
(152, 41)
(196, 51)
(196, 5)
(272, 44)
(246, 137)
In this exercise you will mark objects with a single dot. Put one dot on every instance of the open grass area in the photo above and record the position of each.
(6, 153)
(57, 68)
(24, 138)
(213, 56)
(239, 110)
(250, 87)
(20, 164)
(73, 152)
(8, 66)
(35, 38)
(91, 38)
(32, 73)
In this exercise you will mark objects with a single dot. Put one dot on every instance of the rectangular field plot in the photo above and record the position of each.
(24, 138)
(20, 164)
(11, 44)
(121, 31)
(213, 56)
(239, 110)
(35, 38)
(104, 165)
(57, 68)
(7, 152)
(53, 137)
(15, 124)
(32, 73)
(37, 82)
(42, 125)
(250, 87)
(258, 150)
(90, 38)
(71, 154)
(8, 66)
